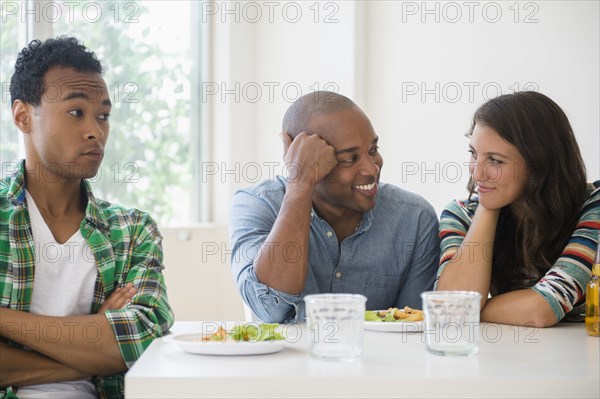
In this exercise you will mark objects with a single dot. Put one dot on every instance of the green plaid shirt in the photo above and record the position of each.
(127, 247)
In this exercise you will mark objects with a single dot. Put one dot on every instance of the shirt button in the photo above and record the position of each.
(329, 234)
(338, 274)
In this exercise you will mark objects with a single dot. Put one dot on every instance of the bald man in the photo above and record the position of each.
(330, 226)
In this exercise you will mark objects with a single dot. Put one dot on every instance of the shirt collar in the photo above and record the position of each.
(93, 211)
(365, 222)
(16, 189)
(363, 225)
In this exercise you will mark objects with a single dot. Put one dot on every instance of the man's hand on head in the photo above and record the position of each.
(308, 158)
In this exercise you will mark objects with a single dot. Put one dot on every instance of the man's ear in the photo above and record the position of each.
(22, 116)
(286, 140)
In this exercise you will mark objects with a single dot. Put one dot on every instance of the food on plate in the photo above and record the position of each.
(394, 315)
(220, 335)
(252, 332)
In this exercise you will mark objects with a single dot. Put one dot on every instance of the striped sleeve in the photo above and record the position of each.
(564, 284)
(454, 224)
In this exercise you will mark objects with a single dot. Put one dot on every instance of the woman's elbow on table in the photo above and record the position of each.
(522, 308)
(544, 319)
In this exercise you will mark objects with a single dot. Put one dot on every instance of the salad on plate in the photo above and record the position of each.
(393, 315)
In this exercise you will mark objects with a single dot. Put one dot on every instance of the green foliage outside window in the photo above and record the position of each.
(148, 159)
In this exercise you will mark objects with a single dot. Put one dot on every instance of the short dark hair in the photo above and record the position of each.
(299, 115)
(27, 83)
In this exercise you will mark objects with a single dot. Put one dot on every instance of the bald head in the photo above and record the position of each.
(299, 115)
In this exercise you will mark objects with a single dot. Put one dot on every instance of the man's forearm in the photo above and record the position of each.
(20, 367)
(85, 343)
(282, 262)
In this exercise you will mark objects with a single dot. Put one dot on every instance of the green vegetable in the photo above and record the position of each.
(256, 332)
(389, 317)
(371, 315)
(383, 316)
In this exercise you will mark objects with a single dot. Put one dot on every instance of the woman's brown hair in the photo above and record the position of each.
(554, 193)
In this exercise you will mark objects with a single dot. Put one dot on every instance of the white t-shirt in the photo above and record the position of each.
(65, 275)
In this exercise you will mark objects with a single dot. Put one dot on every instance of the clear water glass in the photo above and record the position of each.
(451, 322)
(335, 325)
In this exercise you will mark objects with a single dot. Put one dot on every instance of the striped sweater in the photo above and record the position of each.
(563, 286)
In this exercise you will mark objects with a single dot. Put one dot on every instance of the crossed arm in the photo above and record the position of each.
(61, 348)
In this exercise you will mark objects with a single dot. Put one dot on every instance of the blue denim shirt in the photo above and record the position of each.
(391, 258)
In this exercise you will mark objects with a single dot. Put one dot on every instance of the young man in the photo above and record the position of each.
(330, 226)
(81, 288)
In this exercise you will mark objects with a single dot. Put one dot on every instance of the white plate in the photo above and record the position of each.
(395, 326)
(192, 343)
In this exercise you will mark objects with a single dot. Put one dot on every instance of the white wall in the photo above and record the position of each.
(197, 276)
(558, 56)
(377, 52)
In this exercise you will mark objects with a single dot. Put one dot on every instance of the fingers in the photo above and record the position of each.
(309, 159)
(119, 298)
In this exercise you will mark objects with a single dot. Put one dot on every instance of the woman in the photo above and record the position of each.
(527, 240)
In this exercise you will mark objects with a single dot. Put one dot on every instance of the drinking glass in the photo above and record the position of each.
(451, 322)
(335, 325)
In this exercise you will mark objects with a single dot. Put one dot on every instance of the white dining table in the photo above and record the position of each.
(524, 362)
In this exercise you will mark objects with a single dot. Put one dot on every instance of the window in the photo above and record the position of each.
(9, 144)
(150, 55)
